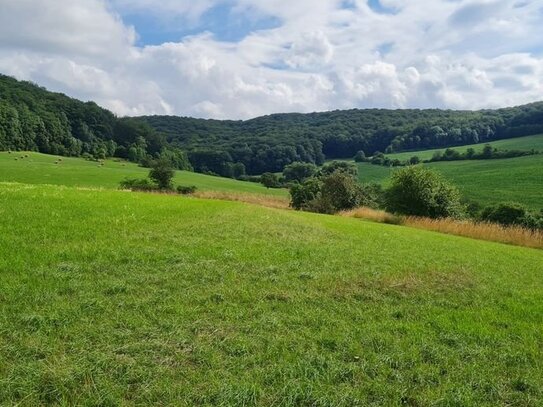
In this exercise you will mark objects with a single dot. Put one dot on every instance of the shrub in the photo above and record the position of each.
(162, 173)
(414, 160)
(360, 157)
(512, 214)
(135, 184)
(333, 193)
(186, 190)
(418, 191)
(270, 180)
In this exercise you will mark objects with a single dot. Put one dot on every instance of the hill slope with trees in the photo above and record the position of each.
(32, 118)
(271, 142)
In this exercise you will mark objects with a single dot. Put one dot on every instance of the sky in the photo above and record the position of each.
(238, 59)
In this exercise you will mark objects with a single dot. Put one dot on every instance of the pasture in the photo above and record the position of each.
(112, 297)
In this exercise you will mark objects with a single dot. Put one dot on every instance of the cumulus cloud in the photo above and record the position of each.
(323, 55)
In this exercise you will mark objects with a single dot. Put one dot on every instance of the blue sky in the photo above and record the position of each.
(239, 59)
(222, 21)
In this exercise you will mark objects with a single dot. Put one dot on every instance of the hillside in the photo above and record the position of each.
(43, 169)
(126, 298)
(268, 143)
(32, 118)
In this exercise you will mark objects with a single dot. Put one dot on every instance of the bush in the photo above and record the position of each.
(186, 190)
(505, 214)
(333, 193)
(270, 180)
(418, 191)
(135, 184)
(360, 157)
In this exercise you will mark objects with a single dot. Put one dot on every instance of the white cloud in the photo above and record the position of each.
(461, 54)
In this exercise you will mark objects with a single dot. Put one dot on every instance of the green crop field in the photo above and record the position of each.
(41, 169)
(485, 181)
(113, 297)
(521, 143)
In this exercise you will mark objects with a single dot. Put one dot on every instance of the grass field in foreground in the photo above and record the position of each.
(113, 297)
(484, 181)
(41, 169)
(521, 143)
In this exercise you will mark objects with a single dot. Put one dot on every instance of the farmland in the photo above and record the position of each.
(526, 143)
(485, 181)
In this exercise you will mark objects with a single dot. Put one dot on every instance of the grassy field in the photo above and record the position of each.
(521, 143)
(484, 181)
(112, 297)
(41, 169)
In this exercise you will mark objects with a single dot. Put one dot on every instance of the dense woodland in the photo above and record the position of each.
(31, 118)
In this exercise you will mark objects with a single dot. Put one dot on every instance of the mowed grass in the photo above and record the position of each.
(526, 143)
(118, 298)
(484, 181)
(41, 169)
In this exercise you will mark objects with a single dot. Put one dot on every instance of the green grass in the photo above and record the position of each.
(118, 298)
(485, 181)
(41, 169)
(521, 143)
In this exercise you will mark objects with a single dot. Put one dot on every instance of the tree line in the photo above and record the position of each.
(269, 143)
(31, 118)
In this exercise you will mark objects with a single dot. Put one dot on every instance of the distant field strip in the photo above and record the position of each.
(521, 143)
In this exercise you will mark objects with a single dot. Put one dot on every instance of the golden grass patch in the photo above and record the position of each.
(256, 199)
(515, 235)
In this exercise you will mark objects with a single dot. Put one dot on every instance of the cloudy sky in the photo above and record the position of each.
(244, 58)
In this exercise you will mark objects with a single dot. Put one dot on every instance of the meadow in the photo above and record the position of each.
(484, 181)
(42, 169)
(526, 143)
(112, 297)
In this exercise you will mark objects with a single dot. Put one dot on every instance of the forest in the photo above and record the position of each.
(34, 119)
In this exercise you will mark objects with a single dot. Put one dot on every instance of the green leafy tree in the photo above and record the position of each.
(340, 166)
(418, 191)
(299, 171)
(162, 174)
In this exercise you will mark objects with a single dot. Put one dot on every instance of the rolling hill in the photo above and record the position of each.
(125, 298)
(34, 119)
(42, 169)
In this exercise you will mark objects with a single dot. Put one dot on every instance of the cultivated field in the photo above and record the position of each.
(526, 143)
(113, 297)
(485, 181)
(41, 169)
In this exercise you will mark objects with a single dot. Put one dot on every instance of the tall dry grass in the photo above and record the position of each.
(514, 235)
(256, 199)
(374, 215)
